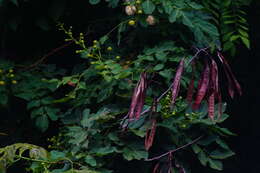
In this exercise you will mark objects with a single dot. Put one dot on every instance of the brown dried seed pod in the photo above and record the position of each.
(150, 20)
(130, 10)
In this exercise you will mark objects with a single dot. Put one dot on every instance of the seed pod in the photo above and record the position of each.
(177, 81)
(138, 98)
(150, 135)
(150, 20)
(232, 81)
(211, 103)
(203, 87)
(130, 10)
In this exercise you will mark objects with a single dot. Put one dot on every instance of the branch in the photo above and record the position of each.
(172, 151)
(53, 52)
(197, 53)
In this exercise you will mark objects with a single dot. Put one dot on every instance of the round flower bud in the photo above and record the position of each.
(150, 20)
(130, 10)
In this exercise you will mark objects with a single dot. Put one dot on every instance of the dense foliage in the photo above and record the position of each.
(146, 96)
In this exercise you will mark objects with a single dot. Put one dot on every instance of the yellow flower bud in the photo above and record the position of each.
(131, 22)
(2, 82)
(138, 2)
(14, 82)
(140, 12)
(109, 48)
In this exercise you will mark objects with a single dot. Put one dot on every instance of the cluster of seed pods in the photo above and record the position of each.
(208, 89)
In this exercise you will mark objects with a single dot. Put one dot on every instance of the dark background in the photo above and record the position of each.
(244, 110)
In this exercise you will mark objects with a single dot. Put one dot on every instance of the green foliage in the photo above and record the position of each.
(230, 17)
(90, 102)
(13, 153)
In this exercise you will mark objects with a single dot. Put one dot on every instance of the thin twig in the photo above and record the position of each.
(172, 151)
(54, 51)
(159, 98)
(197, 53)
(49, 54)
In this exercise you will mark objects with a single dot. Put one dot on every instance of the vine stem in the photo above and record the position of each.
(172, 151)
(44, 161)
(36, 160)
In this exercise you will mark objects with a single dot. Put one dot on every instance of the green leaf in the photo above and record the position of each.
(94, 2)
(33, 103)
(186, 20)
(56, 155)
(42, 123)
(221, 154)
(166, 73)
(208, 140)
(37, 111)
(158, 67)
(167, 5)
(245, 41)
(225, 131)
(102, 151)
(103, 39)
(223, 118)
(52, 113)
(162, 56)
(196, 148)
(222, 144)
(203, 158)
(174, 15)
(216, 164)
(90, 160)
(148, 7)
(195, 5)
(87, 121)
(130, 154)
